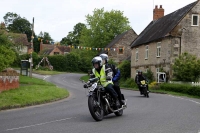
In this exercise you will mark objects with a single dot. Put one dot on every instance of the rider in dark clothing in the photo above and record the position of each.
(139, 77)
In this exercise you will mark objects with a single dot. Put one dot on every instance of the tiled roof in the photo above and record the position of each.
(115, 40)
(160, 28)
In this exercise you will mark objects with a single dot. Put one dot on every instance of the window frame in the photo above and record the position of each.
(121, 52)
(193, 15)
(158, 49)
(136, 54)
(146, 52)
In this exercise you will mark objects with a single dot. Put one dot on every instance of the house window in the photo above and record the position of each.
(56, 53)
(121, 50)
(157, 69)
(195, 20)
(136, 54)
(146, 52)
(158, 49)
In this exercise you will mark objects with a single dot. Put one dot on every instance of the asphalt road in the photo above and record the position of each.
(158, 114)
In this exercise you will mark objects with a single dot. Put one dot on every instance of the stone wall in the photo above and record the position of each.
(9, 79)
(169, 50)
(124, 43)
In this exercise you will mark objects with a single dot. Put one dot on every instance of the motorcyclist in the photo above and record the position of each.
(116, 76)
(139, 77)
(105, 75)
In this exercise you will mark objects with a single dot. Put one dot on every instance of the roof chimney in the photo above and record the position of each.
(158, 13)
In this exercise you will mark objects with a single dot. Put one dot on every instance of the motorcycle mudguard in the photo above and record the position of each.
(90, 93)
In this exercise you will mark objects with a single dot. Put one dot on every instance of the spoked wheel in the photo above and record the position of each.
(95, 109)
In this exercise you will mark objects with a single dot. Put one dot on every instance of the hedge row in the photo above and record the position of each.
(70, 62)
(181, 88)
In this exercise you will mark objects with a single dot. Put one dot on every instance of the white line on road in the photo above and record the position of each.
(186, 99)
(45, 77)
(38, 124)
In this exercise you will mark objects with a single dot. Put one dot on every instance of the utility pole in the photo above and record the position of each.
(31, 59)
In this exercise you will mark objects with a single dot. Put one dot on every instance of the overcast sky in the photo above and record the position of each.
(58, 17)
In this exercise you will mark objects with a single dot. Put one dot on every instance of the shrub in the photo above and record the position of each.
(125, 69)
(129, 83)
(181, 88)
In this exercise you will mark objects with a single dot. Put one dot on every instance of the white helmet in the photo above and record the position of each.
(104, 57)
(98, 60)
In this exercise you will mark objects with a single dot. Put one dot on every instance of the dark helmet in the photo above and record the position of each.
(104, 57)
(139, 71)
(97, 60)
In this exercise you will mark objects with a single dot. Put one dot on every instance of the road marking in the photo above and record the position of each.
(186, 99)
(45, 77)
(39, 124)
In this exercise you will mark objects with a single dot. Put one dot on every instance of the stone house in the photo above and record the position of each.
(165, 38)
(119, 47)
(49, 49)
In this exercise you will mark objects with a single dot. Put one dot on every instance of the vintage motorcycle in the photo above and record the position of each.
(100, 103)
(143, 85)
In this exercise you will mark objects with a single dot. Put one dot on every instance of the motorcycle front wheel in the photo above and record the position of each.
(119, 113)
(95, 109)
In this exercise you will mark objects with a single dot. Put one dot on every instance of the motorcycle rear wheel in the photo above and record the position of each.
(95, 110)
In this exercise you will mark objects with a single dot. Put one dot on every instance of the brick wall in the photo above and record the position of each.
(9, 79)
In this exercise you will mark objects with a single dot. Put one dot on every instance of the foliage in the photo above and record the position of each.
(45, 36)
(73, 37)
(125, 69)
(9, 17)
(111, 61)
(149, 75)
(153, 85)
(128, 83)
(7, 54)
(21, 25)
(181, 88)
(186, 68)
(7, 57)
(103, 27)
(5, 39)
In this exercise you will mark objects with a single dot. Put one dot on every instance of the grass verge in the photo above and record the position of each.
(32, 91)
(43, 72)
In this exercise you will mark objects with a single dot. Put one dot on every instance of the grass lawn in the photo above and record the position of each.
(32, 91)
(42, 72)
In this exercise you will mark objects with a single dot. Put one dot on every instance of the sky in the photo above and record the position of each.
(58, 17)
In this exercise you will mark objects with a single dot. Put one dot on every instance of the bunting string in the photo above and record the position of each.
(97, 49)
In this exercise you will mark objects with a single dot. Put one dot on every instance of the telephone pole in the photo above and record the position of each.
(31, 59)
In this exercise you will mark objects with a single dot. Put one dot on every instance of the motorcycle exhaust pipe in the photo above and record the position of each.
(123, 107)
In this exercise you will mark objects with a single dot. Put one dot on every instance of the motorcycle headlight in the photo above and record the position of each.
(93, 87)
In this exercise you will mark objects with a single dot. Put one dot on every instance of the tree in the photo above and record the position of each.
(9, 17)
(16, 24)
(73, 37)
(103, 27)
(7, 54)
(47, 37)
(186, 68)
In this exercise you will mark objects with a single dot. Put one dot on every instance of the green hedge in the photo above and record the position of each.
(181, 88)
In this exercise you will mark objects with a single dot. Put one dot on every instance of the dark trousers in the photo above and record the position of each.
(117, 89)
(110, 89)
